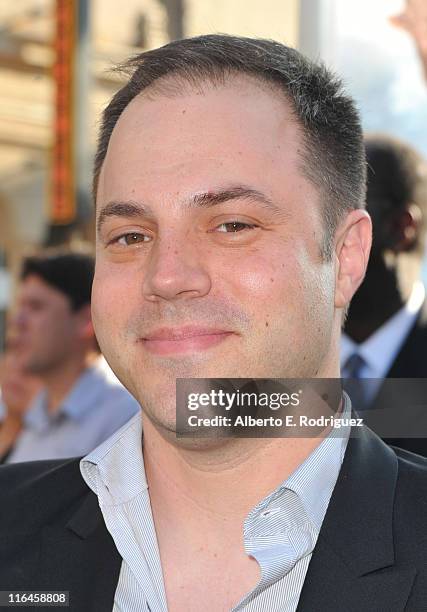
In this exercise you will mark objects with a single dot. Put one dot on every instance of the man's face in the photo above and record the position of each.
(45, 327)
(208, 249)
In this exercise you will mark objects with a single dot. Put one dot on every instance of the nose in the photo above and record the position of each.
(175, 271)
(19, 320)
(17, 329)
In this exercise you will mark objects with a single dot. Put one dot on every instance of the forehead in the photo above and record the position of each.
(34, 287)
(238, 131)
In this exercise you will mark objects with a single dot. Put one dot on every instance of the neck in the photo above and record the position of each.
(59, 381)
(216, 488)
(205, 493)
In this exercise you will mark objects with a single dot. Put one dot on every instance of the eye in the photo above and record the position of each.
(132, 238)
(234, 226)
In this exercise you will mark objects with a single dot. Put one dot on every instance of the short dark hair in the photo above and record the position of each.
(67, 271)
(333, 153)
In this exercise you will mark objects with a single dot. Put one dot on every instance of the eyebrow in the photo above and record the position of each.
(207, 199)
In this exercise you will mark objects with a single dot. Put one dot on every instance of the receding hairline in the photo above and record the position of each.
(180, 82)
(175, 85)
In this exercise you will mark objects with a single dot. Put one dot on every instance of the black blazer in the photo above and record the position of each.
(371, 554)
(410, 363)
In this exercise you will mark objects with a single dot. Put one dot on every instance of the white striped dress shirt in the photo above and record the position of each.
(280, 532)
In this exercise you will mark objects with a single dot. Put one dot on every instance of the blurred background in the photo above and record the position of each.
(56, 59)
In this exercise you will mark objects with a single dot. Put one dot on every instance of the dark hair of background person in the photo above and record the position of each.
(68, 272)
(333, 156)
(397, 178)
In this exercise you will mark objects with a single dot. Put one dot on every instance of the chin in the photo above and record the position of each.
(167, 430)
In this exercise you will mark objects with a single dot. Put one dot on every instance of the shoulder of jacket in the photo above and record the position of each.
(34, 492)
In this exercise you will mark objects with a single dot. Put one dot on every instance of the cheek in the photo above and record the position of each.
(60, 331)
(45, 325)
(285, 288)
(250, 275)
(113, 293)
(265, 282)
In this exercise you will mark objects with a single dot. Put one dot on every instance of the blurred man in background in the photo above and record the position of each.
(386, 329)
(81, 403)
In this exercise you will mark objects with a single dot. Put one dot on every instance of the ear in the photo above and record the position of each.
(405, 228)
(353, 244)
(85, 325)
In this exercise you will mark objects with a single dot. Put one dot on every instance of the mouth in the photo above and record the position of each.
(168, 341)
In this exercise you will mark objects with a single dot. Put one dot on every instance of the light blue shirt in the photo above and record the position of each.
(280, 532)
(380, 350)
(96, 407)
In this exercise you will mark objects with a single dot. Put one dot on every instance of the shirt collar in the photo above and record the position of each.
(380, 349)
(314, 480)
(80, 400)
(119, 464)
(37, 416)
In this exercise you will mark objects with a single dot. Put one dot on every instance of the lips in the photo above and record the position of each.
(182, 333)
(164, 341)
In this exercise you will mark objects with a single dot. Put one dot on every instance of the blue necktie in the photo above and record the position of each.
(353, 382)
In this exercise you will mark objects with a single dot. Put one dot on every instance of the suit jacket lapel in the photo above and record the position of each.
(352, 567)
(408, 363)
(81, 558)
